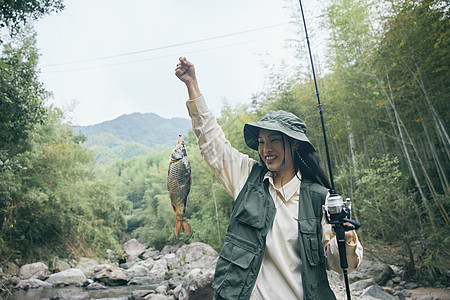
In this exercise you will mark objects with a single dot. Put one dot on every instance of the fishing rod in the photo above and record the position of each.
(336, 212)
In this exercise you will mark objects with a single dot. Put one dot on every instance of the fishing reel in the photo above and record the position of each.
(338, 213)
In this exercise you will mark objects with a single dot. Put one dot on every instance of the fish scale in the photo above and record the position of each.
(179, 185)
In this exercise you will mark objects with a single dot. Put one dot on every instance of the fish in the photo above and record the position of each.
(179, 185)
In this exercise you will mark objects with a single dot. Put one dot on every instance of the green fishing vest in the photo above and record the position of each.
(243, 249)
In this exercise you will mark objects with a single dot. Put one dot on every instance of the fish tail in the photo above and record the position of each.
(181, 225)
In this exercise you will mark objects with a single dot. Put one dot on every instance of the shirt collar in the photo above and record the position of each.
(287, 191)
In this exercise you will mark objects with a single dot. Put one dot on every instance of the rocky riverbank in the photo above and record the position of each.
(176, 273)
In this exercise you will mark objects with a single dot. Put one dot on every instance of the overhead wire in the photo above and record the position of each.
(157, 48)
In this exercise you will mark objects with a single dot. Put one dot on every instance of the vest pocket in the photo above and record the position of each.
(310, 230)
(251, 211)
(232, 267)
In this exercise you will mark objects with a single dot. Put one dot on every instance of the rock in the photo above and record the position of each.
(70, 294)
(150, 253)
(138, 271)
(11, 269)
(10, 282)
(376, 292)
(380, 272)
(140, 294)
(37, 270)
(197, 284)
(87, 265)
(131, 261)
(96, 286)
(361, 284)
(148, 263)
(170, 249)
(32, 283)
(162, 289)
(134, 248)
(411, 286)
(192, 256)
(67, 277)
(159, 269)
(111, 275)
(157, 297)
(141, 280)
(61, 265)
(402, 295)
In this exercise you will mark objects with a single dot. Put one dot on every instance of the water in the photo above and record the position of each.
(71, 292)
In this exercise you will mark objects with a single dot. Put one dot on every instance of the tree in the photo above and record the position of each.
(21, 94)
(14, 14)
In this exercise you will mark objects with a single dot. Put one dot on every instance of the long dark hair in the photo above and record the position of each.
(307, 161)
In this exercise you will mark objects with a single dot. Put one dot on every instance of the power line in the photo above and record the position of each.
(165, 47)
(154, 58)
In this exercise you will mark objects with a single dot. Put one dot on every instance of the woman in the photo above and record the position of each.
(271, 250)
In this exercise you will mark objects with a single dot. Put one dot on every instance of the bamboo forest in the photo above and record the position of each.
(385, 95)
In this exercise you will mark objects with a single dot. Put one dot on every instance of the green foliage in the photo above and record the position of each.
(21, 94)
(57, 206)
(14, 14)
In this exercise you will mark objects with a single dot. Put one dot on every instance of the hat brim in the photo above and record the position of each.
(251, 133)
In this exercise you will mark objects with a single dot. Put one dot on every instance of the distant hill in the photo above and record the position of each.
(132, 135)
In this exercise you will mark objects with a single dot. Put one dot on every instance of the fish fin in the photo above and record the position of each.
(186, 227)
(181, 225)
(177, 227)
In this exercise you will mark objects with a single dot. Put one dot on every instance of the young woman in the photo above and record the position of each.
(278, 244)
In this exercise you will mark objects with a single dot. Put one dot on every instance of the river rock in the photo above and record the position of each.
(148, 263)
(67, 277)
(138, 270)
(192, 256)
(71, 294)
(11, 269)
(150, 253)
(36, 270)
(134, 248)
(87, 265)
(376, 292)
(61, 265)
(159, 269)
(380, 272)
(111, 275)
(32, 284)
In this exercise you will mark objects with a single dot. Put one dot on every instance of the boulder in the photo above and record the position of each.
(192, 256)
(32, 284)
(380, 272)
(134, 248)
(37, 270)
(376, 292)
(87, 265)
(11, 269)
(150, 253)
(159, 269)
(111, 275)
(138, 271)
(197, 284)
(61, 265)
(72, 295)
(67, 277)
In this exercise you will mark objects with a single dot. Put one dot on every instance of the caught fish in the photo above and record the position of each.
(179, 185)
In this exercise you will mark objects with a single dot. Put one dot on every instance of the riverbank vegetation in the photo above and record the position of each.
(386, 107)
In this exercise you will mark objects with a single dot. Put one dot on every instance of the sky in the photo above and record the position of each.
(105, 58)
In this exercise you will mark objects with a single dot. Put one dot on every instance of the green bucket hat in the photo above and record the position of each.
(282, 121)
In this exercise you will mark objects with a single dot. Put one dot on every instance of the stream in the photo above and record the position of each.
(72, 292)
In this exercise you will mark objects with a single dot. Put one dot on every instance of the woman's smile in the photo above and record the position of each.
(275, 152)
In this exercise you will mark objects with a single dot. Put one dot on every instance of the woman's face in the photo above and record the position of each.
(275, 151)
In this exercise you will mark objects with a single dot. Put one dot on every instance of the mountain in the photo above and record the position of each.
(132, 135)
